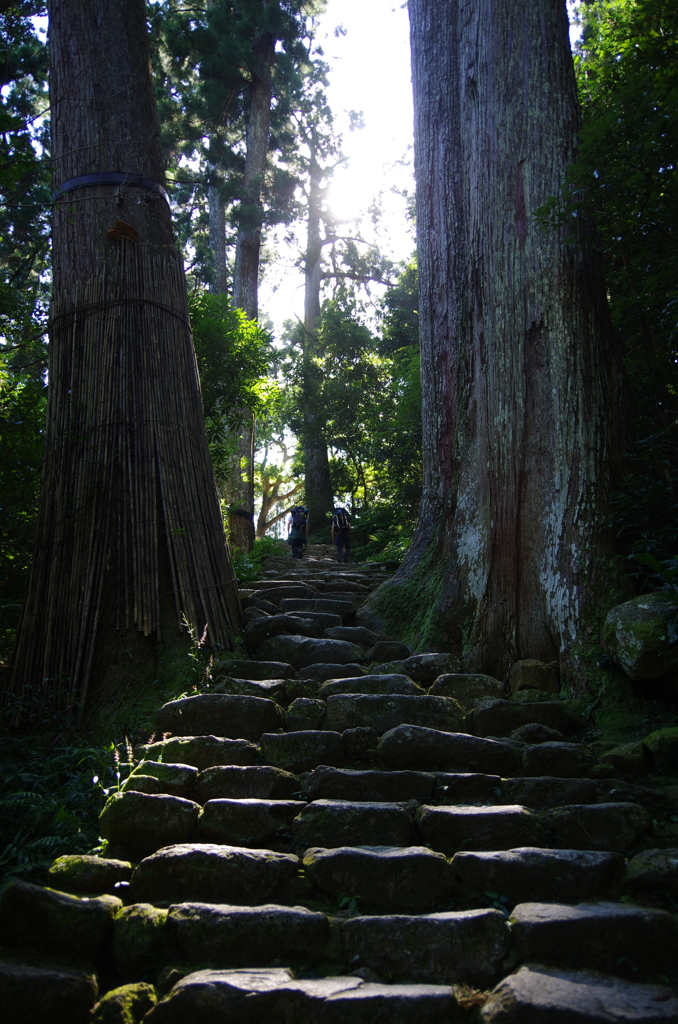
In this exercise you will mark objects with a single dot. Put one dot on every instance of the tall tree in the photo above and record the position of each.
(520, 379)
(130, 538)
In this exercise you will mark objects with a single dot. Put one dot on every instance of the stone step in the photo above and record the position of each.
(137, 824)
(346, 784)
(608, 826)
(334, 823)
(411, 879)
(502, 717)
(84, 874)
(449, 829)
(32, 992)
(240, 783)
(161, 777)
(302, 651)
(266, 627)
(245, 669)
(325, 620)
(269, 689)
(201, 752)
(412, 746)
(337, 605)
(546, 792)
(248, 822)
(322, 671)
(531, 873)
(303, 751)
(211, 873)
(385, 712)
(372, 684)
(354, 634)
(535, 994)
(222, 714)
(249, 996)
(615, 938)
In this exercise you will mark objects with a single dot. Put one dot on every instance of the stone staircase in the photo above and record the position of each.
(337, 830)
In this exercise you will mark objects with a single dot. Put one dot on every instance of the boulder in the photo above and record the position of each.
(140, 942)
(36, 994)
(387, 650)
(449, 829)
(384, 712)
(232, 717)
(411, 746)
(535, 873)
(141, 823)
(636, 635)
(320, 673)
(247, 822)
(379, 684)
(235, 936)
(200, 751)
(304, 714)
(333, 823)
(603, 936)
(627, 761)
(254, 669)
(536, 994)
(409, 879)
(173, 779)
(354, 634)
(530, 674)
(125, 1005)
(464, 946)
(302, 751)
(85, 875)
(46, 921)
(654, 871)
(344, 784)
(662, 748)
(597, 826)
(238, 783)
(269, 626)
(302, 651)
(467, 688)
(208, 873)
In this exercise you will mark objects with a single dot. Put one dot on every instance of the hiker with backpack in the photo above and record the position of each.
(341, 533)
(298, 530)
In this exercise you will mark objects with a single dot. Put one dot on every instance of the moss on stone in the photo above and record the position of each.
(125, 1005)
(412, 607)
(139, 940)
(662, 746)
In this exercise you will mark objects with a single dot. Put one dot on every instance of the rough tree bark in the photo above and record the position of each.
(130, 537)
(521, 381)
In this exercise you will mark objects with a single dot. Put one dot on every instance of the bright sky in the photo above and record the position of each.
(369, 72)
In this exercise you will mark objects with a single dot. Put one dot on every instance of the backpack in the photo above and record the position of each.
(298, 518)
(341, 521)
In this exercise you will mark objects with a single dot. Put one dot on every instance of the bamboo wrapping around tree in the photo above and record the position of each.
(130, 538)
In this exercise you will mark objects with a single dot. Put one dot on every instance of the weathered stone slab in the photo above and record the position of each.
(254, 669)
(173, 779)
(469, 788)
(597, 826)
(255, 603)
(636, 635)
(411, 746)
(128, 1003)
(34, 995)
(601, 936)
(235, 936)
(379, 684)
(341, 605)
(534, 873)
(85, 875)
(344, 784)
(50, 922)
(239, 783)
(305, 714)
(502, 717)
(463, 946)
(653, 871)
(544, 793)
(539, 994)
(302, 651)
(321, 672)
(140, 943)
(208, 873)
(385, 712)
(250, 996)
(200, 751)
(276, 583)
(467, 688)
(277, 594)
(393, 879)
(449, 829)
(344, 586)
(141, 823)
(325, 620)
(560, 760)
(354, 634)
(269, 689)
(332, 823)
(232, 717)
(247, 822)
(303, 751)
(269, 626)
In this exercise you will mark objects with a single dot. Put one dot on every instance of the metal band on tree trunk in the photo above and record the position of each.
(109, 178)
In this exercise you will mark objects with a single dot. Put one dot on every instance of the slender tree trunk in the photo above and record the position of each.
(240, 492)
(318, 493)
(130, 538)
(217, 231)
(521, 382)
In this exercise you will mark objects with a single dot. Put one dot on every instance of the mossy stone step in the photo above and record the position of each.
(239, 783)
(230, 717)
(33, 992)
(333, 823)
(201, 752)
(302, 751)
(245, 669)
(86, 875)
(136, 824)
(246, 822)
(383, 712)
(372, 684)
(502, 717)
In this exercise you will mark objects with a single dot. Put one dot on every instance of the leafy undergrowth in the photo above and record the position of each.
(247, 565)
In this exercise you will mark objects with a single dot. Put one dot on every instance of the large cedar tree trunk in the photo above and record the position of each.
(318, 493)
(130, 538)
(521, 383)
